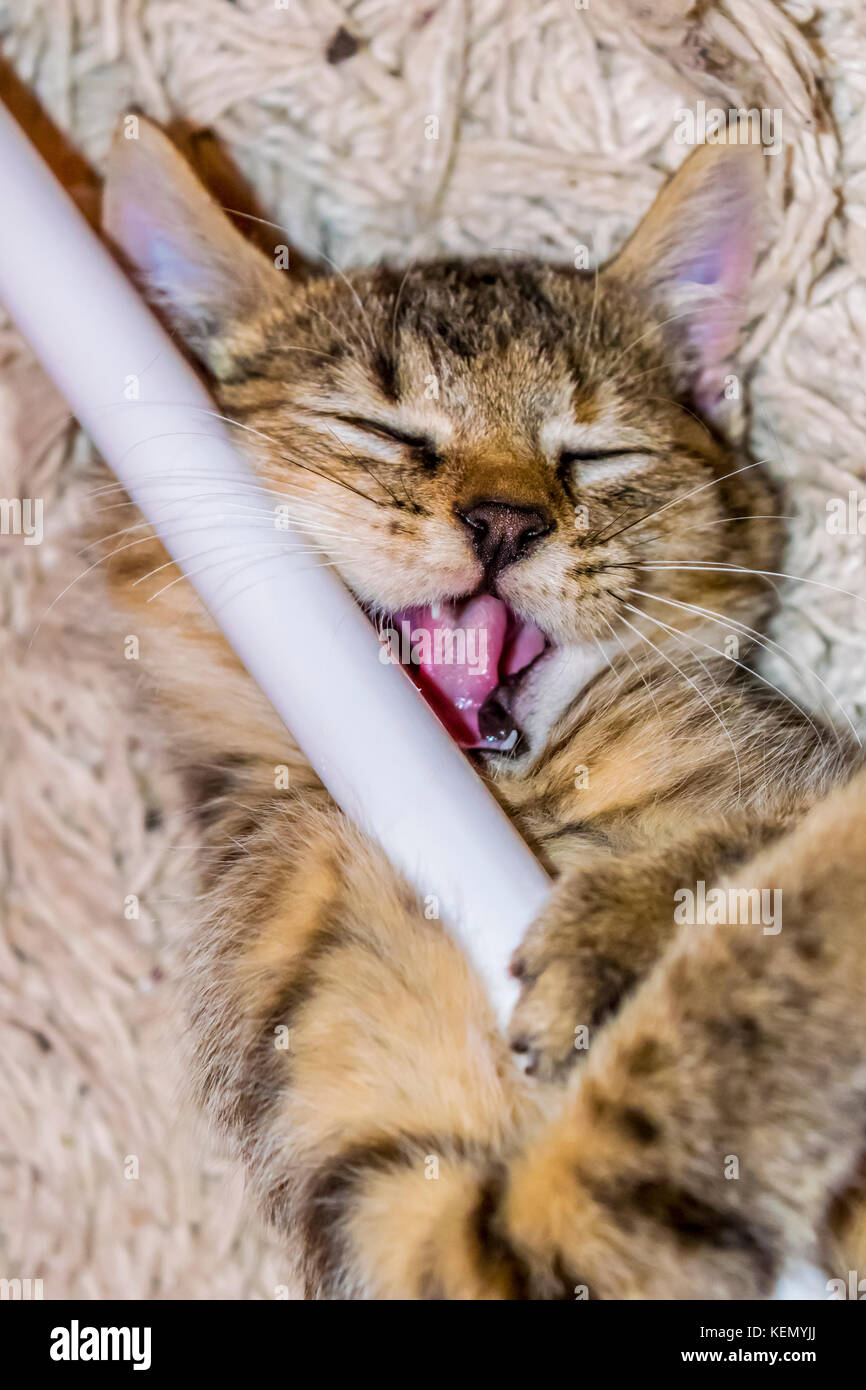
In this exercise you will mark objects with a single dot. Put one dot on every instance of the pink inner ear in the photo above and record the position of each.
(186, 251)
(713, 329)
(133, 230)
(157, 254)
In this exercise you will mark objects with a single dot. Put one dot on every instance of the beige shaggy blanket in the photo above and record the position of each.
(555, 121)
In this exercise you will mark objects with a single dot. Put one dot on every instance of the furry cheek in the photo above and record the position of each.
(423, 562)
(562, 590)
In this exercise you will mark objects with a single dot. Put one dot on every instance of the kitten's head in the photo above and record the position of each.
(509, 461)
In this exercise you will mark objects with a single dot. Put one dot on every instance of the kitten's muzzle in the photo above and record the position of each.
(502, 533)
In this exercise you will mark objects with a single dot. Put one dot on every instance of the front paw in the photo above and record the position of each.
(589, 948)
(563, 1002)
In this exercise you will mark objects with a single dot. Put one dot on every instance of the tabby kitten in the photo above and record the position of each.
(538, 455)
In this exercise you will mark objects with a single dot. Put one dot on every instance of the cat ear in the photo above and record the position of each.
(191, 260)
(693, 256)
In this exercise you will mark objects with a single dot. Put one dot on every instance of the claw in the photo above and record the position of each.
(517, 967)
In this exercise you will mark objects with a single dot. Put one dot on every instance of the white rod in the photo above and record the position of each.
(379, 750)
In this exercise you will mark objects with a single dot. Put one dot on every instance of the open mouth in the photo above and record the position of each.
(468, 659)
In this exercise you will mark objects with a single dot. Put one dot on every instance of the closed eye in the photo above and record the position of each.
(583, 468)
(421, 443)
(570, 456)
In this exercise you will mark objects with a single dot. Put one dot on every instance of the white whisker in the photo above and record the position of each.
(643, 638)
(768, 644)
(667, 627)
(674, 631)
(711, 567)
(640, 673)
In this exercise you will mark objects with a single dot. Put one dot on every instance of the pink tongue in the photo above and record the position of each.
(460, 656)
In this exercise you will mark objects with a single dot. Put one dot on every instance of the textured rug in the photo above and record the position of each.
(381, 127)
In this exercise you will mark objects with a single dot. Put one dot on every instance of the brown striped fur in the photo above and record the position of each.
(342, 1040)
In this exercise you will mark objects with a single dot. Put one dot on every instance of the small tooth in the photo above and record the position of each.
(510, 741)
(435, 610)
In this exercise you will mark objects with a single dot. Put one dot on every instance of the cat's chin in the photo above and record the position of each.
(551, 685)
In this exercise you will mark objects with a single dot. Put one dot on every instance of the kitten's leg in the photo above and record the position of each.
(391, 1141)
(608, 921)
(345, 1043)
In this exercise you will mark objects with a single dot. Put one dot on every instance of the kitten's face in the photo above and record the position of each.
(496, 454)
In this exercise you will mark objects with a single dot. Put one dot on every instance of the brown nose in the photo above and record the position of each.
(502, 533)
